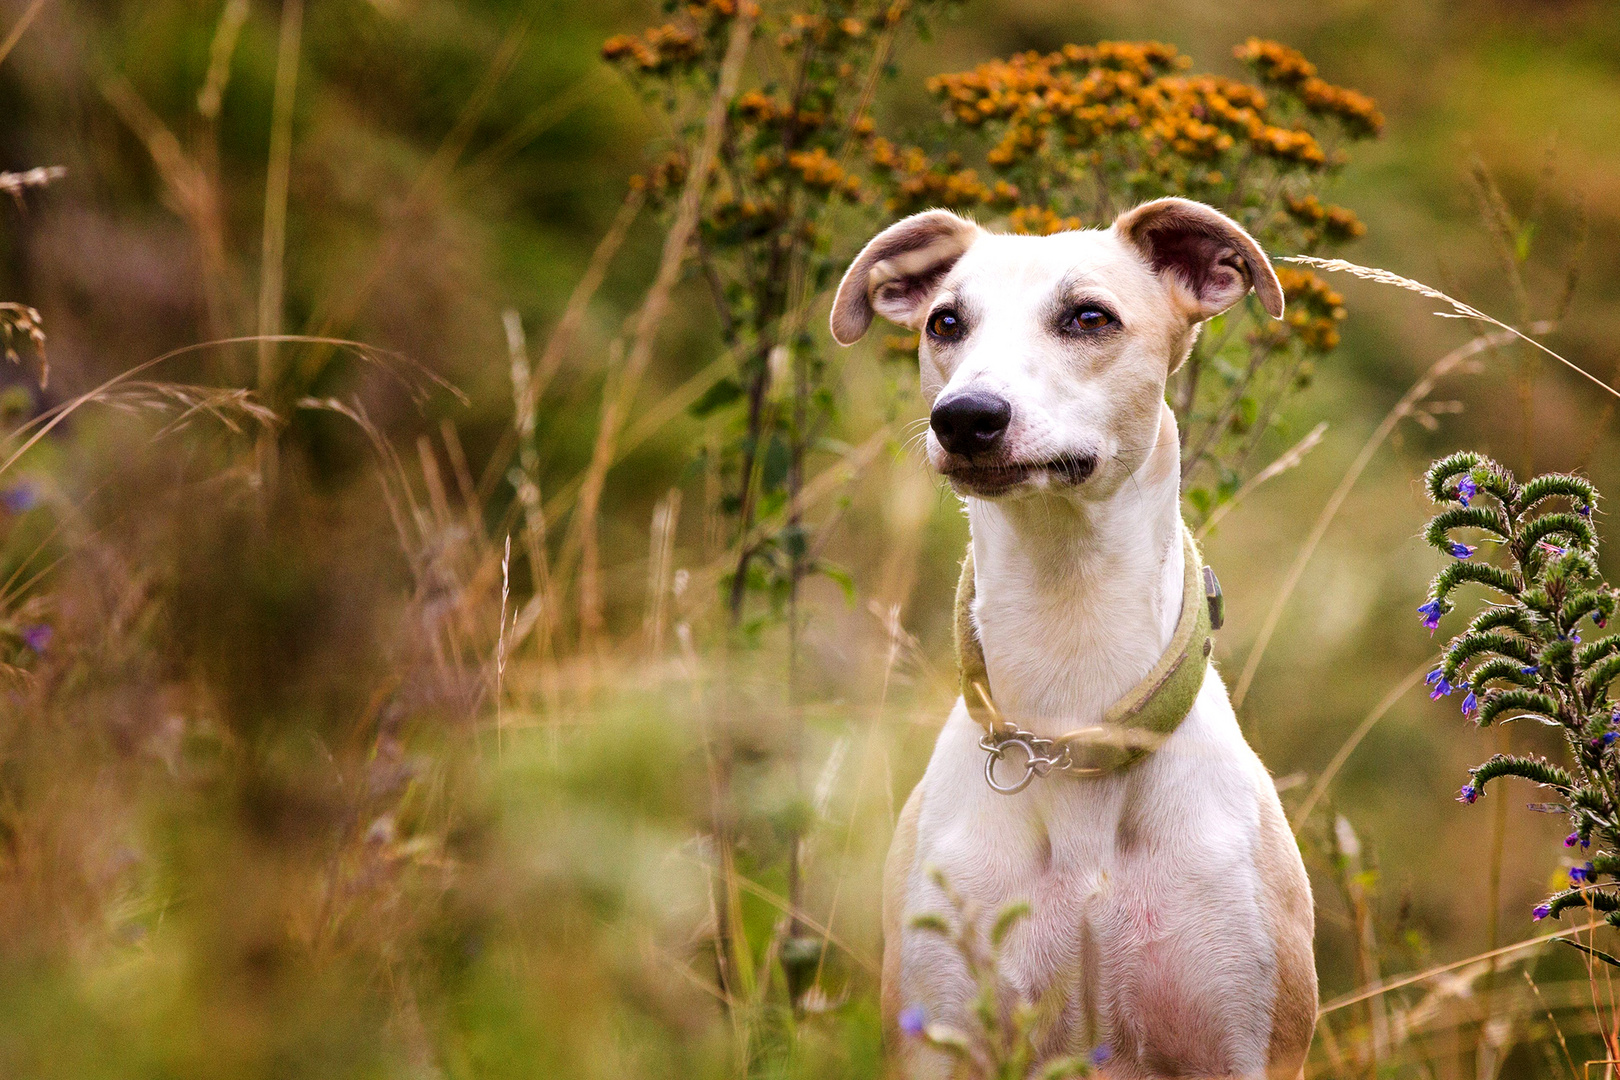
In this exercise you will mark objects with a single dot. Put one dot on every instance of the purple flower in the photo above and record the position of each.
(1553, 549)
(1101, 1054)
(1531, 669)
(20, 498)
(1466, 489)
(1434, 676)
(1469, 795)
(913, 1020)
(37, 638)
(1585, 510)
(1431, 615)
(1441, 689)
(1572, 839)
(1578, 874)
(1460, 551)
(1540, 911)
(1599, 620)
(1470, 704)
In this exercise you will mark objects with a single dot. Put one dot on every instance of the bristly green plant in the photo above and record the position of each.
(999, 1042)
(1523, 656)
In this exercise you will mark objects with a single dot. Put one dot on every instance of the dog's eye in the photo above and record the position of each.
(1089, 317)
(945, 325)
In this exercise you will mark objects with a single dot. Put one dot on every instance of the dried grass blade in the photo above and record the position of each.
(583, 527)
(1400, 411)
(1459, 310)
(1289, 459)
(19, 29)
(1320, 787)
(1383, 987)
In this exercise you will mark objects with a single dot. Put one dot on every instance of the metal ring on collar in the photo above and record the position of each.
(1031, 763)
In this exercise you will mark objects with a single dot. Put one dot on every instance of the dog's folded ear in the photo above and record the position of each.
(1210, 257)
(898, 271)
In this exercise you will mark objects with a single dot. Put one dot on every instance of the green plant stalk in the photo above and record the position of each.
(1525, 655)
(272, 259)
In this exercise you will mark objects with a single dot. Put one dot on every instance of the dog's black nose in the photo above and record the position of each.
(971, 422)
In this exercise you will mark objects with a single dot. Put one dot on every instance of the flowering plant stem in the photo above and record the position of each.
(1523, 657)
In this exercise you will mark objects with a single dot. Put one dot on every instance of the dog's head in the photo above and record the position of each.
(1044, 358)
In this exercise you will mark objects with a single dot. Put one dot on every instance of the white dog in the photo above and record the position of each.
(1094, 767)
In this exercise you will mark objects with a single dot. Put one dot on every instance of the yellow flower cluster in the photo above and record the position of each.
(673, 45)
(1292, 144)
(757, 108)
(920, 182)
(1314, 308)
(820, 171)
(819, 30)
(1079, 95)
(656, 50)
(1040, 221)
(1336, 222)
(1278, 64)
(749, 217)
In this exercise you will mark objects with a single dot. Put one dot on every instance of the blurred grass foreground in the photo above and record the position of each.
(462, 617)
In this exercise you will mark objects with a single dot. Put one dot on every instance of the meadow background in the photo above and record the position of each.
(296, 780)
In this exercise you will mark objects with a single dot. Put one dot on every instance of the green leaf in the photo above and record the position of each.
(948, 1039)
(1536, 770)
(1598, 954)
(839, 576)
(718, 396)
(1521, 242)
(1516, 700)
(1010, 916)
(1066, 1067)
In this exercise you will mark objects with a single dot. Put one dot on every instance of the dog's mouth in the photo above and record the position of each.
(986, 479)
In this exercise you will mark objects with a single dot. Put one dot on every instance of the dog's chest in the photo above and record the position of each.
(1079, 861)
(1142, 901)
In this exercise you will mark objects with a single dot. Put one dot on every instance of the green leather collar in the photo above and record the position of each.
(1133, 726)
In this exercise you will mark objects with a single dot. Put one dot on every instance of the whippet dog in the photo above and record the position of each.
(1093, 767)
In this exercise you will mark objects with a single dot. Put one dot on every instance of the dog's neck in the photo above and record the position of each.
(1076, 600)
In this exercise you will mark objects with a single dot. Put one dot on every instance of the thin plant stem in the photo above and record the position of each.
(563, 334)
(892, 625)
(1557, 1031)
(232, 17)
(1319, 789)
(195, 192)
(1289, 459)
(650, 319)
(20, 28)
(1401, 410)
(428, 182)
(1384, 987)
(272, 269)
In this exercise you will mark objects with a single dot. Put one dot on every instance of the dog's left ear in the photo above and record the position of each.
(1212, 261)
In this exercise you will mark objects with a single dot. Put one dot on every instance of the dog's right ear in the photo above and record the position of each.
(898, 271)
